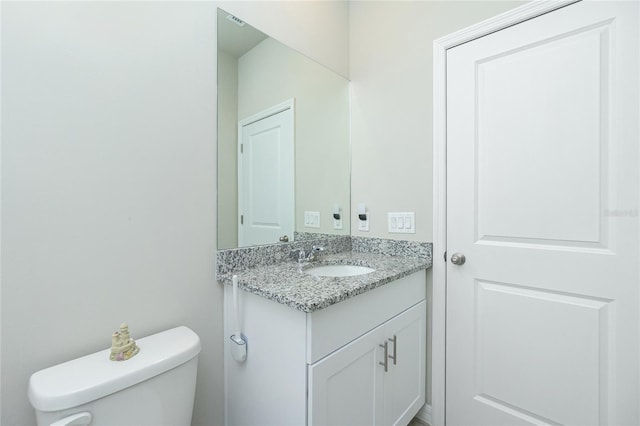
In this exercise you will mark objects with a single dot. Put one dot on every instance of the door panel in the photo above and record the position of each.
(266, 183)
(555, 207)
(533, 362)
(542, 198)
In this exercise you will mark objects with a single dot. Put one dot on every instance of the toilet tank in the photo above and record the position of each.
(155, 387)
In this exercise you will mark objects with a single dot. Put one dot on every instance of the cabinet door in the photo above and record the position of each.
(404, 384)
(345, 388)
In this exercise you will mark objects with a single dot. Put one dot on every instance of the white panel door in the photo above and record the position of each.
(266, 180)
(542, 199)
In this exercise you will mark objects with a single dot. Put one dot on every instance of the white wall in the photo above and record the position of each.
(108, 202)
(391, 82)
(109, 178)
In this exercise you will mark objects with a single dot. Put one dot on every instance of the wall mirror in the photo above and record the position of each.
(283, 141)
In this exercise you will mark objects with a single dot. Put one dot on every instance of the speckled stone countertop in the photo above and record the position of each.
(288, 284)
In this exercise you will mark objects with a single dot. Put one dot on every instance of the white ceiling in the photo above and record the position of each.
(234, 39)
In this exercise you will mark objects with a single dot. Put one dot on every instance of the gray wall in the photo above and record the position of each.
(227, 151)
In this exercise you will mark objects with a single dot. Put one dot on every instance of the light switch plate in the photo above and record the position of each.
(337, 223)
(312, 219)
(363, 225)
(401, 223)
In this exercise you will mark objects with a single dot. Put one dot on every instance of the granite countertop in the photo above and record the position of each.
(288, 284)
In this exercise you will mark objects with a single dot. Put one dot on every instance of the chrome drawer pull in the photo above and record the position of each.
(395, 349)
(386, 355)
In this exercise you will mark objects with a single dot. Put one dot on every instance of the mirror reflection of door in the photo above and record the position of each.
(266, 176)
(255, 72)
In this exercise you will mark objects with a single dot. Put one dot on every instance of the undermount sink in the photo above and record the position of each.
(338, 270)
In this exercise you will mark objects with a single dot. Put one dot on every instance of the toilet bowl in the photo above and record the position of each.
(155, 387)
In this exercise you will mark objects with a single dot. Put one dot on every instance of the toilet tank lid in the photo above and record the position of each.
(94, 376)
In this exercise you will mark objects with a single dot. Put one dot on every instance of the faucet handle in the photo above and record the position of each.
(315, 253)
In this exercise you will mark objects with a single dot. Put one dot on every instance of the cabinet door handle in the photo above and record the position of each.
(395, 349)
(385, 364)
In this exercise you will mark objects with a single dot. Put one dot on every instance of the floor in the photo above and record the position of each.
(417, 422)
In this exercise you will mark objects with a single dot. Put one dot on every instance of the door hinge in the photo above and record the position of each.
(445, 256)
(241, 148)
(241, 219)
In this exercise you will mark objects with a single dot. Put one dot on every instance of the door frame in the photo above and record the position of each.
(289, 104)
(439, 268)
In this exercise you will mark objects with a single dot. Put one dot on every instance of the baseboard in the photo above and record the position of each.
(424, 415)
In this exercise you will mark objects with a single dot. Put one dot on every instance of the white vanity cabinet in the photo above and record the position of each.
(355, 386)
(327, 366)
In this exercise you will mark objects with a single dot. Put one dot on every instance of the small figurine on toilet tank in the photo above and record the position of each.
(123, 346)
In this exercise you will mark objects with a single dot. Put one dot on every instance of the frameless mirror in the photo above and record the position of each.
(283, 141)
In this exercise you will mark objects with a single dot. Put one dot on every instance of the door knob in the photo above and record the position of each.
(458, 259)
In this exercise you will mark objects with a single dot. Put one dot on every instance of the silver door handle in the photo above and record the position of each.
(385, 364)
(284, 239)
(458, 259)
(395, 349)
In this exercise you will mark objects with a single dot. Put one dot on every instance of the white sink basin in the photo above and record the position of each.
(338, 270)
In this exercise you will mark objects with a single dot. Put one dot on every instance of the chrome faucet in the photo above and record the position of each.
(315, 253)
(312, 255)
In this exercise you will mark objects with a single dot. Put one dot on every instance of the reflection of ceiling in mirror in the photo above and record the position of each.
(234, 39)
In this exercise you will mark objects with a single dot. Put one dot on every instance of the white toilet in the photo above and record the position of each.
(155, 387)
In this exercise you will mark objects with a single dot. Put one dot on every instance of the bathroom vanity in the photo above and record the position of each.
(329, 350)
